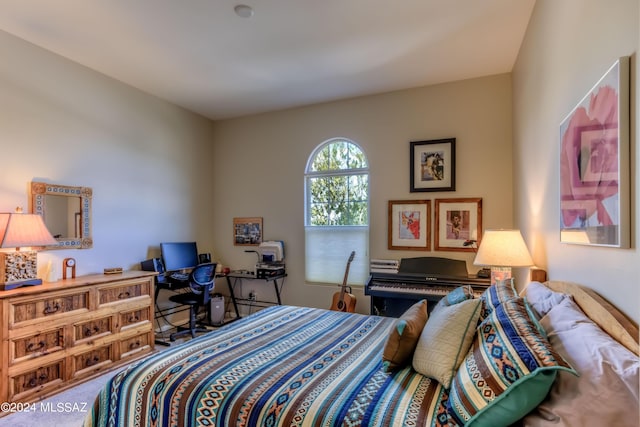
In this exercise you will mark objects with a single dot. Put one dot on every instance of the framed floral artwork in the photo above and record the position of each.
(433, 165)
(409, 225)
(456, 222)
(594, 164)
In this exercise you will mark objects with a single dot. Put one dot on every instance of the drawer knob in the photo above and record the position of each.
(33, 347)
(36, 381)
(50, 310)
(134, 345)
(92, 361)
(88, 331)
(124, 295)
(134, 319)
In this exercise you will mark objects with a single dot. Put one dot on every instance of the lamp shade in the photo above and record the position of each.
(503, 248)
(19, 230)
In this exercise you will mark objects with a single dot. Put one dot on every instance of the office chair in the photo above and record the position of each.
(201, 282)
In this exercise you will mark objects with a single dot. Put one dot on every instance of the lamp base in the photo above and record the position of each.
(18, 268)
(500, 273)
(14, 285)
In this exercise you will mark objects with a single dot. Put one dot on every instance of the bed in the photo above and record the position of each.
(296, 366)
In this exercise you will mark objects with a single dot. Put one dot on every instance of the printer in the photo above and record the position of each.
(271, 255)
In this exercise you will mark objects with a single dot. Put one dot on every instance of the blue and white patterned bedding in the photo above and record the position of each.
(283, 366)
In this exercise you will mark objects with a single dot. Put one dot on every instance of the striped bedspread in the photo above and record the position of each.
(282, 366)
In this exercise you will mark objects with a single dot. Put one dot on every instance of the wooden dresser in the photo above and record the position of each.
(58, 334)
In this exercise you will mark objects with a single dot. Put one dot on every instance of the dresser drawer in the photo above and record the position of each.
(92, 329)
(48, 307)
(119, 294)
(135, 345)
(36, 345)
(94, 360)
(36, 379)
(133, 318)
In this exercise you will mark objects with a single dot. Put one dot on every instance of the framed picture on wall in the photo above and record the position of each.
(594, 164)
(433, 165)
(247, 231)
(457, 220)
(409, 225)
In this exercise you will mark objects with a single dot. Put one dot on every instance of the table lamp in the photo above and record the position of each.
(19, 231)
(501, 250)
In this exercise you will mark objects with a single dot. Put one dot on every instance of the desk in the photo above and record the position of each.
(165, 282)
(234, 277)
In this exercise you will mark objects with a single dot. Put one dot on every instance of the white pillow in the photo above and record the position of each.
(606, 391)
(446, 339)
(541, 299)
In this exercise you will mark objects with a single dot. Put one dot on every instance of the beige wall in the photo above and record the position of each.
(148, 162)
(260, 163)
(568, 47)
(155, 172)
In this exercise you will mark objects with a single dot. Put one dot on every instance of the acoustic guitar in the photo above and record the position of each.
(343, 300)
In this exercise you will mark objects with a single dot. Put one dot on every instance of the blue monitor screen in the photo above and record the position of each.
(179, 255)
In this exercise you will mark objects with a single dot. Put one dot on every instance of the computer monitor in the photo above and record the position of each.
(179, 255)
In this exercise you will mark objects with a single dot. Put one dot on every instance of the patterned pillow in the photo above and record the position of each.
(402, 340)
(445, 340)
(508, 371)
(456, 296)
(502, 291)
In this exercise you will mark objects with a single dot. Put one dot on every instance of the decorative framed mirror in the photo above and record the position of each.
(66, 212)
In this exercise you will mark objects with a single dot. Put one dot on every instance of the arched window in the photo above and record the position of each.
(337, 212)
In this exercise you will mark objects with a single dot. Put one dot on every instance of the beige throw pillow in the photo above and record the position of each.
(398, 349)
(445, 340)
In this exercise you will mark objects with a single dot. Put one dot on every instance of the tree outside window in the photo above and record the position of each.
(337, 211)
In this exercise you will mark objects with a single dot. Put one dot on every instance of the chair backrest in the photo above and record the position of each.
(202, 280)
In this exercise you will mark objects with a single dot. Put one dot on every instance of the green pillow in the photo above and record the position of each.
(507, 372)
(445, 340)
(402, 339)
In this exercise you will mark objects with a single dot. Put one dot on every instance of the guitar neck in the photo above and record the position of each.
(344, 301)
(346, 273)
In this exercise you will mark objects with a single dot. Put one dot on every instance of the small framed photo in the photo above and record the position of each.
(247, 231)
(457, 221)
(433, 165)
(409, 225)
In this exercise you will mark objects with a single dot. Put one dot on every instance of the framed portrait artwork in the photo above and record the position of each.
(457, 220)
(247, 231)
(433, 165)
(594, 164)
(409, 225)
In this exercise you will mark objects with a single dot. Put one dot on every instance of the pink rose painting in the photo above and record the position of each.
(589, 164)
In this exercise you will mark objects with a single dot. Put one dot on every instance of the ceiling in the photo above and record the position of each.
(202, 56)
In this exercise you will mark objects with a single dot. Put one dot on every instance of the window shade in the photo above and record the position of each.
(328, 250)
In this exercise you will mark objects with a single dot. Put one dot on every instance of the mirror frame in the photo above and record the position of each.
(38, 206)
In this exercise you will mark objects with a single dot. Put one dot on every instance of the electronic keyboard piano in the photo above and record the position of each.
(428, 278)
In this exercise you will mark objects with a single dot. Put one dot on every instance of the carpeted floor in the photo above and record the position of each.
(64, 409)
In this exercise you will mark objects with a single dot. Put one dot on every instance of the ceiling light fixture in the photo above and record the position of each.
(243, 11)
